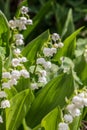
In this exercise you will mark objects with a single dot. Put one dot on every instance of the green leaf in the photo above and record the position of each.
(51, 120)
(52, 95)
(20, 105)
(4, 32)
(31, 30)
(69, 46)
(30, 51)
(69, 25)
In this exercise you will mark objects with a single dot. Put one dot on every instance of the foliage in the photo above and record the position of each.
(40, 81)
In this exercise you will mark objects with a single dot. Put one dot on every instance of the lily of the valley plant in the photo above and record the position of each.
(42, 84)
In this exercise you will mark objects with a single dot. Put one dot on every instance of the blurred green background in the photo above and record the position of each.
(60, 16)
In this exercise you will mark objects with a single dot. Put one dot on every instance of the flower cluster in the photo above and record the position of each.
(78, 102)
(44, 67)
(57, 41)
(16, 70)
(22, 21)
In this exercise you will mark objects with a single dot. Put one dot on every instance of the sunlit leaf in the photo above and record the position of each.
(20, 105)
(51, 120)
(52, 95)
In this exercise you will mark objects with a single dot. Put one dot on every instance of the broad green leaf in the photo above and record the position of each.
(4, 32)
(51, 120)
(69, 25)
(32, 30)
(52, 95)
(69, 46)
(20, 105)
(30, 51)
